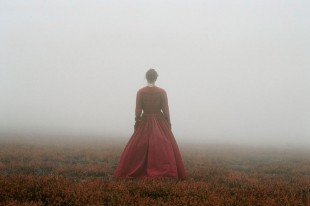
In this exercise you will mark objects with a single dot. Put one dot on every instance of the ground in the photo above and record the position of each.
(79, 171)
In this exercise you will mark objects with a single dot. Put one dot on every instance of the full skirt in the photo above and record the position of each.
(152, 151)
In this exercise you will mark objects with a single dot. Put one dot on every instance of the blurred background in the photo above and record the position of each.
(236, 72)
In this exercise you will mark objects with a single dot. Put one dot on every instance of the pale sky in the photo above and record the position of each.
(236, 71)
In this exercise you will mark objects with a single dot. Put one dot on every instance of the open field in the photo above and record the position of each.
(64, 171)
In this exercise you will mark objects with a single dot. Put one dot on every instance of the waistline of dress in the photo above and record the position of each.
(152, 113)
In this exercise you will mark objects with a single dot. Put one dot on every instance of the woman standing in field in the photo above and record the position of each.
(152, 150)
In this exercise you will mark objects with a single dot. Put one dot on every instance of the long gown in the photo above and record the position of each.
(152, 150)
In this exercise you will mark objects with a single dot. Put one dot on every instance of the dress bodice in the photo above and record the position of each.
(152, 100)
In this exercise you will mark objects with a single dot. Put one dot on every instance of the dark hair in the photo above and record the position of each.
(151, 75)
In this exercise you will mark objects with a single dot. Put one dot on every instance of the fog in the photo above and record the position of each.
(235, 72)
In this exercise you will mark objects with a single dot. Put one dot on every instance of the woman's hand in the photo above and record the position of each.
(138, 120)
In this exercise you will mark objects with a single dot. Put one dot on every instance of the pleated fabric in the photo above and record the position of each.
(152, 151)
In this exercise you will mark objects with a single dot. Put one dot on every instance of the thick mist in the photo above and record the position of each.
(235, 71)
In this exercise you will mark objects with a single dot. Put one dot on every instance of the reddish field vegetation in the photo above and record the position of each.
(80, 172)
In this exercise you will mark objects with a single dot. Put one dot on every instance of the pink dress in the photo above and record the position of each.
(152, 150)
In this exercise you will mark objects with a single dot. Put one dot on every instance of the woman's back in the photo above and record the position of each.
(152, 100)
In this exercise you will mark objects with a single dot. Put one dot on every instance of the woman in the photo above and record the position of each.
(152, 150)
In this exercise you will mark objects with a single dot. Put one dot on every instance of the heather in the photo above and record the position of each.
(64, 171)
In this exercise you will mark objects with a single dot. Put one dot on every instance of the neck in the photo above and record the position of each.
(151, 84)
